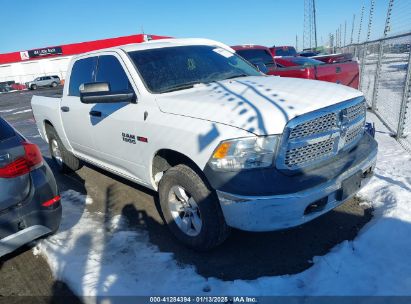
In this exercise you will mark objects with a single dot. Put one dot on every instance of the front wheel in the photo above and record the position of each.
(191, 209)
(54, 84)
(33, 87)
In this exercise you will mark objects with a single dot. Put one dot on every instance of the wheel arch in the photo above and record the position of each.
(46, 123)
(164, 159)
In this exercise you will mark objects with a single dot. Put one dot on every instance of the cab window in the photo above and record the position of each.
(110, 70)
(82, 72)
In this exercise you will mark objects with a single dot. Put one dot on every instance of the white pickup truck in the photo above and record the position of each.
(224, 145)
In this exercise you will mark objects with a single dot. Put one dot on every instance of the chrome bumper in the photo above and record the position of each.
(268, 213)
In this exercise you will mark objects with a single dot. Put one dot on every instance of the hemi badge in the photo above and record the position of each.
(142, 139)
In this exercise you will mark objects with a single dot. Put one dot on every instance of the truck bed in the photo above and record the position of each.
(346, 73)
(46, 109)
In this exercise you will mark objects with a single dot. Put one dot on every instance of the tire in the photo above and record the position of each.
(204, 205)
(33, 87)
(65, 160)
(54, 84)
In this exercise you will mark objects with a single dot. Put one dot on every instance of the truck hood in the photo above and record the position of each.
(259, 104)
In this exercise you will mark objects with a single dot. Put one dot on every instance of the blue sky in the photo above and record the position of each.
(266, 22)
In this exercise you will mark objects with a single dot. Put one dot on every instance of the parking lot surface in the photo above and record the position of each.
(244, 256)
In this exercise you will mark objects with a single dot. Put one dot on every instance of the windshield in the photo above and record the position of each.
(285, 51)
(175, 68)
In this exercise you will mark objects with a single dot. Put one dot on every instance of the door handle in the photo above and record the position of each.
(95, 113)
(65, 109)
(338, 70)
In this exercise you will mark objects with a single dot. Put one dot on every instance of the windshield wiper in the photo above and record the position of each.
(189, 85)
(181, 87)
(236, 76)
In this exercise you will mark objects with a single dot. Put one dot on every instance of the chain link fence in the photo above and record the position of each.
(385, 80)
(384, 55)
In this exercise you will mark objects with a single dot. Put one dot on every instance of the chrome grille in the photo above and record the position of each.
(314, 126)
(353, 133)
(316, 136)
(308, 153)
(355, 111)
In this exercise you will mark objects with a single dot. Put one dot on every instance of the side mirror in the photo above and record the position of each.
(99, 92)
(261, 67)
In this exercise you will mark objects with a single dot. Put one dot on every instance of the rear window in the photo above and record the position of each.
(305, 61)
(5, 130)
(256, 55)
(285, 51)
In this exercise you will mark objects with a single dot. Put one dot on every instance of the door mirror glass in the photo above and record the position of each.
(100, 92)
(261, 67)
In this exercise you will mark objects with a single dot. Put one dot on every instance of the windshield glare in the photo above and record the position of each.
(173, 68)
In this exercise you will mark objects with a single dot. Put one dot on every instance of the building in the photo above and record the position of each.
(24, 66)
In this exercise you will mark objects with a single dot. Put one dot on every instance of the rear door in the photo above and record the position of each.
(12, 190)
(47, 81)
(42, 82)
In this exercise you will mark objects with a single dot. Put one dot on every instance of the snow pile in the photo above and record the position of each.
(99, 256)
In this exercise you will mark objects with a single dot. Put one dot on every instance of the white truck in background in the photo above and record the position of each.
(224, 145)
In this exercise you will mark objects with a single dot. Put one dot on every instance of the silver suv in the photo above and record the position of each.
(44, 81)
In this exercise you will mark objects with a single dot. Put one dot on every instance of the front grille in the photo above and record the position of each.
(353, 133)
(314, 126)
(355, 111)
(316, 136)
(305, 154)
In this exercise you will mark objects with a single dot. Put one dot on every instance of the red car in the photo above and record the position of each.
(18, 86)
(346, 73)
(330, 58)
(285, 51)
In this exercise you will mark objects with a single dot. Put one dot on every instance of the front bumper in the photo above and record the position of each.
(285, 210)
(29, 220)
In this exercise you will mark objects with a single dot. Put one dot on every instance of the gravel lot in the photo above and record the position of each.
(244, 255)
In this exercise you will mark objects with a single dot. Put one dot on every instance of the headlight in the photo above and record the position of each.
(245, 153)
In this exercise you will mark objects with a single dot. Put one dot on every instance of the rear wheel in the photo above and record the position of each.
(191, 209)
(65, 160)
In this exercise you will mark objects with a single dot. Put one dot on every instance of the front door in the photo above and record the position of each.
(74, 113)
(114, 126)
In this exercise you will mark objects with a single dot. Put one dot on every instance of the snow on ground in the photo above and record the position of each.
(99, 256)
